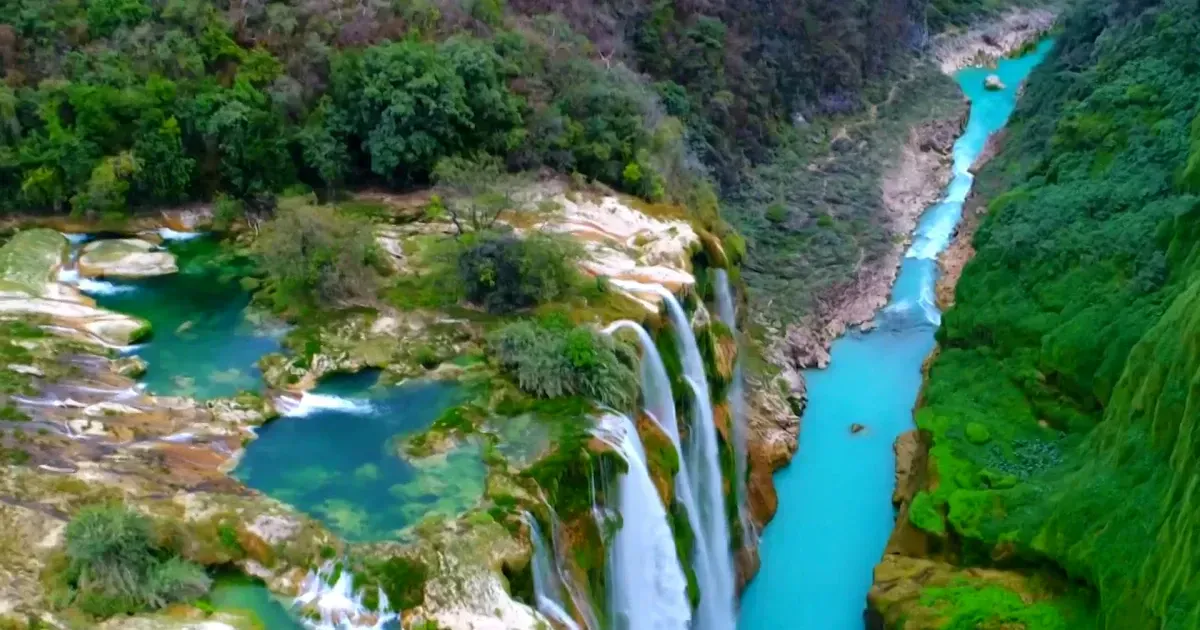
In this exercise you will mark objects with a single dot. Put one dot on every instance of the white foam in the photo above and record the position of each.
(77, 238)
(103, 287)
(310, 403)
(168, 234)
(338, 606)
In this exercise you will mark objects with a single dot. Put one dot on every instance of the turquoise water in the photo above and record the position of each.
(835, 512)
(240, 594)
(202, 343)
(337, 461)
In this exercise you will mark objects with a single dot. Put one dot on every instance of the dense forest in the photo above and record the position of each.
(1063, 404)
(111, 104)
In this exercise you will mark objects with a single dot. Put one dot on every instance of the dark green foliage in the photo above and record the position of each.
(580, 361)
(114, 566)
(1073, 340)
(312, 255)
(401, 579)
(505, 273)
(402, 106)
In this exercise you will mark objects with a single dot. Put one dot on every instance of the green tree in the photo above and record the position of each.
(106, 189)
(314, 256)
(505, 273)
(170, 170)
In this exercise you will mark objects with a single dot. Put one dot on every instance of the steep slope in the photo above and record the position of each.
(1060, 411)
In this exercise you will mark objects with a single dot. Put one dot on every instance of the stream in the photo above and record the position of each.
(835, 512)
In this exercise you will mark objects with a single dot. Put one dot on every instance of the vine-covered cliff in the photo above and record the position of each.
(1059, 415)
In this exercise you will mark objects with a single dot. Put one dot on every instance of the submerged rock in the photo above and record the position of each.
(125, 258)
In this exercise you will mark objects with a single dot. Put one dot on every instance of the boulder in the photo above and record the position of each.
(125, 258)
(993, 83)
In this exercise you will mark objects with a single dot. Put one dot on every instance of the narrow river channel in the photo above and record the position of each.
(835, 512)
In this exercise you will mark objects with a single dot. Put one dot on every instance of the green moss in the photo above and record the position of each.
(971, 607)
(924, 513)
(977, 433)
(402, 579)
(28, 260)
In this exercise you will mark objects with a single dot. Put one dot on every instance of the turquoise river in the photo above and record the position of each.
(835, 512)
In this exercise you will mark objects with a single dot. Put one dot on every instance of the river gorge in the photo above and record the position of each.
(890, 377)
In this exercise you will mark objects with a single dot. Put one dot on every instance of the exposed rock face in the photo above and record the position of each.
(125, 258)
(983, 45)
(993, 83)
(625, 243)
(466, 587)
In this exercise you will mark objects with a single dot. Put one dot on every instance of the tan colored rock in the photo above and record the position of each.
(623, 242)
(125, 258)
(984, 44)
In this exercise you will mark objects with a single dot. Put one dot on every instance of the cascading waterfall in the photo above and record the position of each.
(737, 404)
(547, 589)
(338, 606)
(660, 406)
(701, 457)
(648, 589)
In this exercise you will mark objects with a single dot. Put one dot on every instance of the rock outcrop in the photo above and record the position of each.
(985, 44)
(29, 265)
(125, 258)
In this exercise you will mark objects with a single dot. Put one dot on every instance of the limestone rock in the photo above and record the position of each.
(466, 586)
(624, 242)
(125, 258)
(993, 83)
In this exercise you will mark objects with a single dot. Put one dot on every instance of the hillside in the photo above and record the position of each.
(1059, 412)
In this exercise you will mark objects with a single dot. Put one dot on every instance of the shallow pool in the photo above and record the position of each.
(335, 457)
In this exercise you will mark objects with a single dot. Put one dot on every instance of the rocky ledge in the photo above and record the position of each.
(125, 258)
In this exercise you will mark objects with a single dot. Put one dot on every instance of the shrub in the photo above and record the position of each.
(114, 567)
(977, 433)
(551, 363)
(314, 256)
(505, 273)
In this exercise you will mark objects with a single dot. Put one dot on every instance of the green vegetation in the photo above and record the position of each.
(505, 273)
(113, 565)
(315, 256)
(580, 361)
(401, 579)
(971, 607)
(28, 260)
(1073, 341)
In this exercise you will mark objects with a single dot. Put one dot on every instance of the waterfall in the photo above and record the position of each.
(547, 589)
(704, 468)
(337, 605)
(737, 405)
(660, 406)
(648, 589)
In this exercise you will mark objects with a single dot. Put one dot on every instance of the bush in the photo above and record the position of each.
(114, 567)
(505, 273)
(314, 256)
(579, 361)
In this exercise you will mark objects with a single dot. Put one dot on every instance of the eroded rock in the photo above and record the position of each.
(125, 258)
